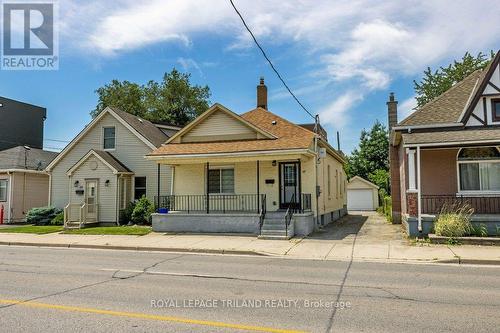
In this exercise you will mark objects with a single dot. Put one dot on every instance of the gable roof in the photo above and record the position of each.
(364, 181)
(284, 136)
(214, 108)
(107, 158)
(144, 127)
(447, 107)
(145, 130)
(36, 159)
(455, 105)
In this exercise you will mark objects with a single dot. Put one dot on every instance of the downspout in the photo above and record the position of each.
(50, 190)
(172, 180)
(316, 157)
(11, 183)
(117, 198)
(419, 193)
(24, 193)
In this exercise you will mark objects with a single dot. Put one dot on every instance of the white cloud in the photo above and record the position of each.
(336, 113)
(407, 107)
(187, 64)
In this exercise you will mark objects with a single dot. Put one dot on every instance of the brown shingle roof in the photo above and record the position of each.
(288, 136)
(462, 136)
(113, 161)
(146, 128)
(449, 106)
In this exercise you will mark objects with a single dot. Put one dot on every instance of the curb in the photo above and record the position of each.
(136, 248)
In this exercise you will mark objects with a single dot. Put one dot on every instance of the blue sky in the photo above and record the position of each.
(342, 58)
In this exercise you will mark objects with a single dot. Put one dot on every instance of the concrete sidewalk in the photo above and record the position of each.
(364, 236)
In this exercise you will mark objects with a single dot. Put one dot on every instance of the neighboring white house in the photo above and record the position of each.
(101, 170)
(361, 194)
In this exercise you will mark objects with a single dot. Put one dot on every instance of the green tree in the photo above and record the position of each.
(434, 83)
(174, 100)
(371, 158)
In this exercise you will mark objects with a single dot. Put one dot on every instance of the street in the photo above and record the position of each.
(61, 290)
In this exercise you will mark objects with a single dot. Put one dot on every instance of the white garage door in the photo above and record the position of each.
(360, 200)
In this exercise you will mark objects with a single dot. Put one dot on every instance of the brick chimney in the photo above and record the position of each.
(262, 94)
(392, 110)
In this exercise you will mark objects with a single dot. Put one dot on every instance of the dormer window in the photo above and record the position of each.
(495, 108)
(109, 138)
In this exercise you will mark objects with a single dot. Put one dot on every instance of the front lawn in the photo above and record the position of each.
(122, 230)
(33, 229)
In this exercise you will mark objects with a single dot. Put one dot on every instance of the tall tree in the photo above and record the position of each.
(371, 159)
(434, 83)
(174, 100)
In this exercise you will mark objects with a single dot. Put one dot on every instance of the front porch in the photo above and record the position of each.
(445, 177)
(261, 196)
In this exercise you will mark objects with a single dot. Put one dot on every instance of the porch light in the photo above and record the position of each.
(76, 183)
(106, 183)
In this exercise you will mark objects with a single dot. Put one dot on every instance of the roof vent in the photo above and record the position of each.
(274, 122)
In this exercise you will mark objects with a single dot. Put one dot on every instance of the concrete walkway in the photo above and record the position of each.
(360, 236)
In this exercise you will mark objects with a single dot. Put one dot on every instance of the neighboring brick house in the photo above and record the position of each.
(21, 124)
(448, 151)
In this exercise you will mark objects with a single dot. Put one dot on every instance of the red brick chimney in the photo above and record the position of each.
(392, 111)
(262, 94)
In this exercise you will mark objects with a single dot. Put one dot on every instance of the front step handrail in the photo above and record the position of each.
(262, 215)
(289, 213)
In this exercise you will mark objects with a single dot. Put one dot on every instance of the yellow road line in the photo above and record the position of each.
(147, 316)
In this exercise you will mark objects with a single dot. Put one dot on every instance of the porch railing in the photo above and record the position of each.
(213, 203)
(432, 204)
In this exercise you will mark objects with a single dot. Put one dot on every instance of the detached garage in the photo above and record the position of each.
(361, 194)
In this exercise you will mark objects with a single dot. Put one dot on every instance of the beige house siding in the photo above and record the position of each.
(27, 190)
(219, 126)
(130, 150)
(191, 179)
(106, 195)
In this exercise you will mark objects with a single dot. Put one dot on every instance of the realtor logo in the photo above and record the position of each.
(29, 35)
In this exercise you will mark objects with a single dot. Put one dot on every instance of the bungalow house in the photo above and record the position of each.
(448, 151)
(23, 183)
(254, 173)
(103, 168)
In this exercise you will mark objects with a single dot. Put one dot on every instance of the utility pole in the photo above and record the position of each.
(316, 150)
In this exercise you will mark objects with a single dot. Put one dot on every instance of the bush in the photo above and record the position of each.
(126, 214)
(58, 219)
(480, 230)
(142, 211)
(42, 215)
(386, 205)
(454, 221)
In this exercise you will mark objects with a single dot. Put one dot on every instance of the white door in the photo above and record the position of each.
(91, 202)
(360, 199)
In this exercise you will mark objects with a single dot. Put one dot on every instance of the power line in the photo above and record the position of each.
(269, 61)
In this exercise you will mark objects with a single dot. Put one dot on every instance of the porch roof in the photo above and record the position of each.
(489, 135)
(112, 162)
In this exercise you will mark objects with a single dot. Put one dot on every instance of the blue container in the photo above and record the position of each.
(163, 210)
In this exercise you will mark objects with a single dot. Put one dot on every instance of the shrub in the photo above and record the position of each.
(58, 219)
(142, 211)
(454, 220)
(42, 215)
(126, 214)
(480, 230)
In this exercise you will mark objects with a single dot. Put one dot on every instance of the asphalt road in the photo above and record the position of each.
(72, 290)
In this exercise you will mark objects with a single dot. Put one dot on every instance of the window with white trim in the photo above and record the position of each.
(139, 187)
(109, 138)
(479, 169)
(3, 189)
(221, 180)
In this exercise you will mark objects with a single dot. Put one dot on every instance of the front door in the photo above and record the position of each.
(289, 184)
(91, 203)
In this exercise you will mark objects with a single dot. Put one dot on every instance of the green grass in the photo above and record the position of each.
(33, 229)
(123, 230)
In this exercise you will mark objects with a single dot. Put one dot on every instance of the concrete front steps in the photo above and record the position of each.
(274, 226)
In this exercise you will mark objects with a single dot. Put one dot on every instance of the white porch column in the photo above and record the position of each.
(411, 170)
(419, 194)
